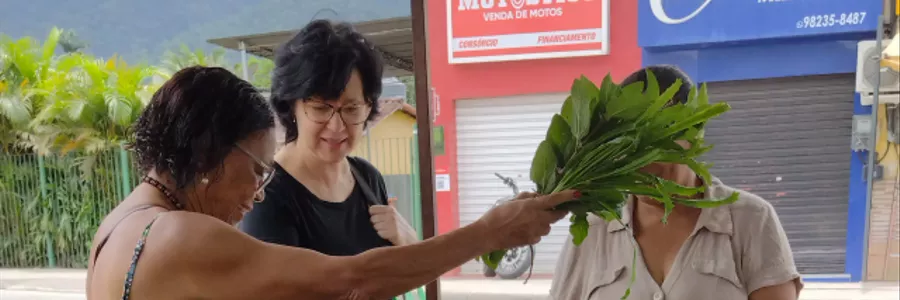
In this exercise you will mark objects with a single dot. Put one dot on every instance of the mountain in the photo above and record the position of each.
(141, 31)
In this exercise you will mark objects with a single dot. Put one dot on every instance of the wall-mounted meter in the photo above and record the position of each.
(861, 132)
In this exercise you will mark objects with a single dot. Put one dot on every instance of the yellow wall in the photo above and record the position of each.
(391, 142)
(884, 254)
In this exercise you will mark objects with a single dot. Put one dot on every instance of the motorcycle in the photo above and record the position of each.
(517, 260)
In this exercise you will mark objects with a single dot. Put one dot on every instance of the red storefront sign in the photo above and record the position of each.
(503, 30)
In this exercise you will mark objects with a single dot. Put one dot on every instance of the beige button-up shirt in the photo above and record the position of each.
(734, 250)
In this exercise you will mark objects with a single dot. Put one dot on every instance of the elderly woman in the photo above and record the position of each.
(737, 251)
(206, 144)
(325, 87)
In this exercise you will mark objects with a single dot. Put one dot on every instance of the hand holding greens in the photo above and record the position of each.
(604, 136)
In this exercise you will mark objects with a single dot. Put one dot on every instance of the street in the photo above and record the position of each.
(35, 295)
(837, 293)
(50, 284)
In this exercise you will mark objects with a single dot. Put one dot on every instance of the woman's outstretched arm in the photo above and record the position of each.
(215, 260)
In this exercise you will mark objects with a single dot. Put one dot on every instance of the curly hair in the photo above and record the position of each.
(194, 120)
(318, 62)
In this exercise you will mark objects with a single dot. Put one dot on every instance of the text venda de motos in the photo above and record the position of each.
(544, 12)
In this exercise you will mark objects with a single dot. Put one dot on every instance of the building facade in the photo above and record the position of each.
(498, 73)
(788, 69)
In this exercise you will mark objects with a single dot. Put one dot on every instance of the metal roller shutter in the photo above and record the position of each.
(500, 135)
(787, 140)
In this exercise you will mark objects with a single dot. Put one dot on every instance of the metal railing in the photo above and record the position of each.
(50, 206)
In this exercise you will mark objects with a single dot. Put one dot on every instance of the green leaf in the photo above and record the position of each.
(692, 98)
(702, 97)
(493, 258)
(560, 135)
(14, 109)
(583, 94)
(708, 203)
(660, 101)
(566, 111)
(608, 89)
(701, 169)
(629, 100)
(666, 200)
(652, 89)
(543, 165)
(636, 163)
(698, 118)
(579, 228)
(76, 109)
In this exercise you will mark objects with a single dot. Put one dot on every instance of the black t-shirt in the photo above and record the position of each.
(291, 215)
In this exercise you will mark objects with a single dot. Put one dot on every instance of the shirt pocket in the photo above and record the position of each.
(608, 281)
(720, 277)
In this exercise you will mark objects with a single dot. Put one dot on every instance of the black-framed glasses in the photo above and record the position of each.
(321, 113)
(268, 171)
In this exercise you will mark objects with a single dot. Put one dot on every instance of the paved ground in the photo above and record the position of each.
(69, 285)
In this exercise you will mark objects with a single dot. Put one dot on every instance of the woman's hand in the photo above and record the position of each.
(524, 220)
(391, 226)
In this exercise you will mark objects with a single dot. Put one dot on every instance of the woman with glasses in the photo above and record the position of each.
(325, 87)
(206, 144)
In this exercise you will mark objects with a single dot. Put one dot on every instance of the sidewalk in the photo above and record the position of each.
(60, 284)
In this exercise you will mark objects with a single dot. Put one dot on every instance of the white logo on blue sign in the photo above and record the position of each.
(656, 6)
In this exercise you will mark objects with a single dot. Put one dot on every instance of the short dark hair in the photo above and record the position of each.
(318, 62)
(666, 75)
(194, 121)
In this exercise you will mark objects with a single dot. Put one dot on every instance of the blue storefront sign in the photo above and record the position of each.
(685, 22)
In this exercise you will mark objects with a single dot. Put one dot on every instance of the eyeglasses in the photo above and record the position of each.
(321, 113)
(267, 173)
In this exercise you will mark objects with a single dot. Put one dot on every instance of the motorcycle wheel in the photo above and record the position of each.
(516, 262)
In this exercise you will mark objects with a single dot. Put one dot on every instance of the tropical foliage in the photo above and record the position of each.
(259, 70)
(64, 116)
(54, 102)
(70, 102)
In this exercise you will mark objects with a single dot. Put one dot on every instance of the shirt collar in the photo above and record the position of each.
(716, 219)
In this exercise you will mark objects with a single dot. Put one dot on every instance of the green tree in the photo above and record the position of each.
(71, 102)
(23, 63)
(70, 42)
(410, 82)
(185, 57)
(94, 102)
(260, 71)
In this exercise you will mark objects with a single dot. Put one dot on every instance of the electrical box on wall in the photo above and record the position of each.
(861, 132)
(877, 173)
(892, 115)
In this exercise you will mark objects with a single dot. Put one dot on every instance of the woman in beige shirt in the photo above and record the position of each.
(736, 251)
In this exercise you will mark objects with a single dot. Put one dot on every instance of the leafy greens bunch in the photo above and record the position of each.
(602, 138)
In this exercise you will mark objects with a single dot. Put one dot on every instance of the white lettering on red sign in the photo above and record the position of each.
(526, 29)
(479, 43)
(566, 38)
(517, 4)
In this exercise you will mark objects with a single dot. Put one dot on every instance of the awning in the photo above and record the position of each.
(392, 39)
